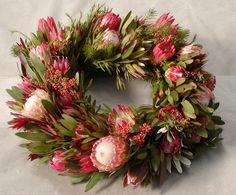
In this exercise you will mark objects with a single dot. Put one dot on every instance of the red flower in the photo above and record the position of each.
(18, 122)
(135, 175)
(170, 113)
(108, 153)
(39, 51)
(48, 26)
(171, 147)
(121, 121)
(205, 96)
(65, 100)
(79, 132)
(57, 163)
(61, 64)
(190, 49)
(111, 37)
(174, 73)
(110, 21)
(26, 86)
(211, 81)
(166, 21)
(86, 165)
(162, 51)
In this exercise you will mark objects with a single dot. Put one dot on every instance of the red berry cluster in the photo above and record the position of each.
(144, 129)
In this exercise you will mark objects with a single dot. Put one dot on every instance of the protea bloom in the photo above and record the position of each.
(210, 81)
(61, 64)
(57, 163)
(172, 146)
(108, 153)
(48, 26)
(65, 100)
(111, 37)
(86, 165)
(26, 86)
(190, 49)
(170, 113)
(121, 121)
(205, 96)
(174, 73)
(110, 21)
(39, 51)
(33, 107)
(162, 51)
(135, 175)
(79, 132)
(166, 21)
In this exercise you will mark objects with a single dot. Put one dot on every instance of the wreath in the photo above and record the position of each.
(66, 128)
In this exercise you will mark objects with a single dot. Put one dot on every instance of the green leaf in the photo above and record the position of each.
(38, 65)
(174, 95)
(50, 106)
(202, 133)
(188, 109)
(186, 87)
(141, 155)
(69, 122)
(177, 165)
(94, 179)
(155, 159)
(39, 148)
(124, 21)
(64, 131)
(16, 93)
(180, 81)
(33, 136)
(127, 53)
(185, 161)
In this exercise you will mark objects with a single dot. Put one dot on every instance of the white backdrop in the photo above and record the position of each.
(215, 23)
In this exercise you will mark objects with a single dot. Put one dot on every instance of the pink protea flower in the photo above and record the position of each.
(48, 26)
(61, 64)
(171, 147)
(79, 132)
(65, 100)
(33, 107)
(135, 176)
(86, 165)
(110, 21)
(162, 51)
(190, 49)
(39, 51)
(174, 73)
(57, 163)
(170, 113)
(205, 96)
(121, 121)
(18, 122)
(166, 21)
(211, 81)
(111, 37)
(26, 86)
(108, 153)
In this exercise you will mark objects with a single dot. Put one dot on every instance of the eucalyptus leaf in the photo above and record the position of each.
(94, 179)
(33, 136)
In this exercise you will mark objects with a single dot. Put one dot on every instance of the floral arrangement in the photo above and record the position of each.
(78, 138)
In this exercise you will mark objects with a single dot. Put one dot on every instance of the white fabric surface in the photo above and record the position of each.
(215, 23)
